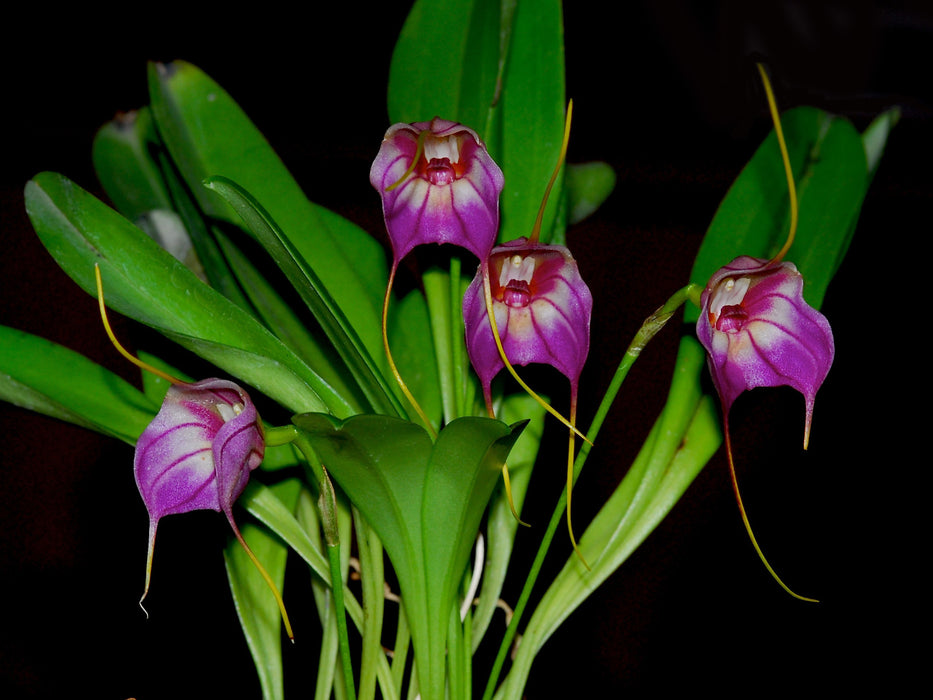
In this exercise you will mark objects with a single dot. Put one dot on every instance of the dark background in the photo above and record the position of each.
(665, 91)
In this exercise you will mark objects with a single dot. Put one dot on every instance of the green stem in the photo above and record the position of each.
(402, 645)
(373, 583)
(648, 330)
(333, 556)
(437, 294)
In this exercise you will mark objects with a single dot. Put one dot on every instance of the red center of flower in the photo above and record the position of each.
(439, 171)
(517, 294)
(732, 318)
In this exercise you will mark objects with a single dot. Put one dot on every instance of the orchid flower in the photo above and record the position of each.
(438, 184)
(197, 453)
(529, 304)
(759, 332)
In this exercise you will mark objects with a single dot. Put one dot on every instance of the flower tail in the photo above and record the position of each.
(152, 535)
(265, 576)
(398, 377)
(748, 527)
(570, 456)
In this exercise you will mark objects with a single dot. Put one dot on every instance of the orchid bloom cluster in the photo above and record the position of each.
(416, 465)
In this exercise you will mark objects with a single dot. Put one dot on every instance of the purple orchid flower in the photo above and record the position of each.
(438, 185)
(759, 332)
(197, 454)
(542, 308)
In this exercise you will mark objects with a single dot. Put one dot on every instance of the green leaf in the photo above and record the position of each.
(301, 334)
(409, 327)
(256, 607)
(501, 524)
(208, 135)
(43, 376)
(130, 175)
(532, 121)
(424, 501)
(682, 441)
(830, 171)
(588, 186)
(875, 137)
(144, 282)
(455, 45)
(336, 325)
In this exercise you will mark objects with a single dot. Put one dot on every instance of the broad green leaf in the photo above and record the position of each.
(501, 525)
(467, 46)
(830, 171)
(208, 135)
(454, 50)
(255, 605)
(335, 324)
(531, 123)
(424, 501)
(139, 178)
(48, 378)
(146, 283)
(122, 153)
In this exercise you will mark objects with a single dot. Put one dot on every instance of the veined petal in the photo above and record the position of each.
(198, 451)
(542, 308)
(759, 332)
(438, 185)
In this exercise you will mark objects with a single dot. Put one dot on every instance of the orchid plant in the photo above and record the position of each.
(361, 428)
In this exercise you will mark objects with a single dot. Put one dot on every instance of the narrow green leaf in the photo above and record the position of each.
(265, 505)
(208, 135)
(146, 283)
(335, 324)
(300, 334)
(43, 376)
(256, 607)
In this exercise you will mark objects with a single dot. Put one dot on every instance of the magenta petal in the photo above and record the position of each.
(445, 192)
(198, 451)
(759, 332)
(542, 308)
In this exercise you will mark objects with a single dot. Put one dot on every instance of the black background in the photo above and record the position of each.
(665, 91)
